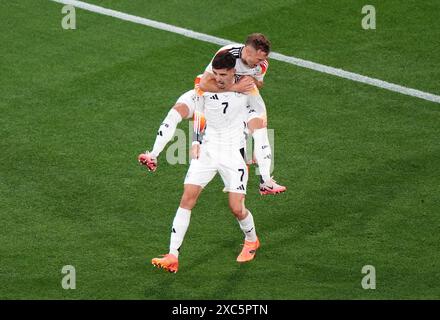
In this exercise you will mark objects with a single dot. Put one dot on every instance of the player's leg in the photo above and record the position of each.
(243, 215)
(168, 127)
(200, 173)
(234, 173)
(257, 126)
(170, 261)
(262, 150)
(182, 218)
(183, 109)
(247, 225)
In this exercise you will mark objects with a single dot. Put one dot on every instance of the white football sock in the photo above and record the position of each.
(166, 131)
(180, 225)
(248, 227)
(263, 152)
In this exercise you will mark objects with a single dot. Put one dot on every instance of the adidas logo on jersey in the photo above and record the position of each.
(214, 97)
(240, 187)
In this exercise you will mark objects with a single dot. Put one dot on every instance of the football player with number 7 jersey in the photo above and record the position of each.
(217, 148)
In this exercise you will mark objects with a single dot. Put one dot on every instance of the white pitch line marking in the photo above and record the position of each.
(274, 55)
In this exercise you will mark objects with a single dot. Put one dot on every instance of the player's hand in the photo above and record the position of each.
(195, 151)
(245, 85)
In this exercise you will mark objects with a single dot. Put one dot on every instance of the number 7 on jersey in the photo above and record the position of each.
(226, 104)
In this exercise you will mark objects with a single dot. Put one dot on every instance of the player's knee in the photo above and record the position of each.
(182, 109)
(257, 123)
(188, 201)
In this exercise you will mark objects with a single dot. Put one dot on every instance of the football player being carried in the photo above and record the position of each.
(218, 148)
(251, 66)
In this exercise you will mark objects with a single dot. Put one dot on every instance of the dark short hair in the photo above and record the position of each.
(223, 60)
(259, 42)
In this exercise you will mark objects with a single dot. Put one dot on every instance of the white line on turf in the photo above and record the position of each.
(274, 55)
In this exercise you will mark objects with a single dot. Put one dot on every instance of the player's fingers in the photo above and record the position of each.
(247, 83)
(249, 89)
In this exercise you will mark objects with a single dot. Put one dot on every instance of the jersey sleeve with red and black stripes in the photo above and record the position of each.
(264, 66)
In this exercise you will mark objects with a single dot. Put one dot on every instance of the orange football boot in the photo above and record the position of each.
(169, 262)
(248, 251)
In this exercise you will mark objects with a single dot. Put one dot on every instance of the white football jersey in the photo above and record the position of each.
(226, 115)
(241, 68)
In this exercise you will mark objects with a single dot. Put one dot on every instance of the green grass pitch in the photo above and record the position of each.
(362, 164)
